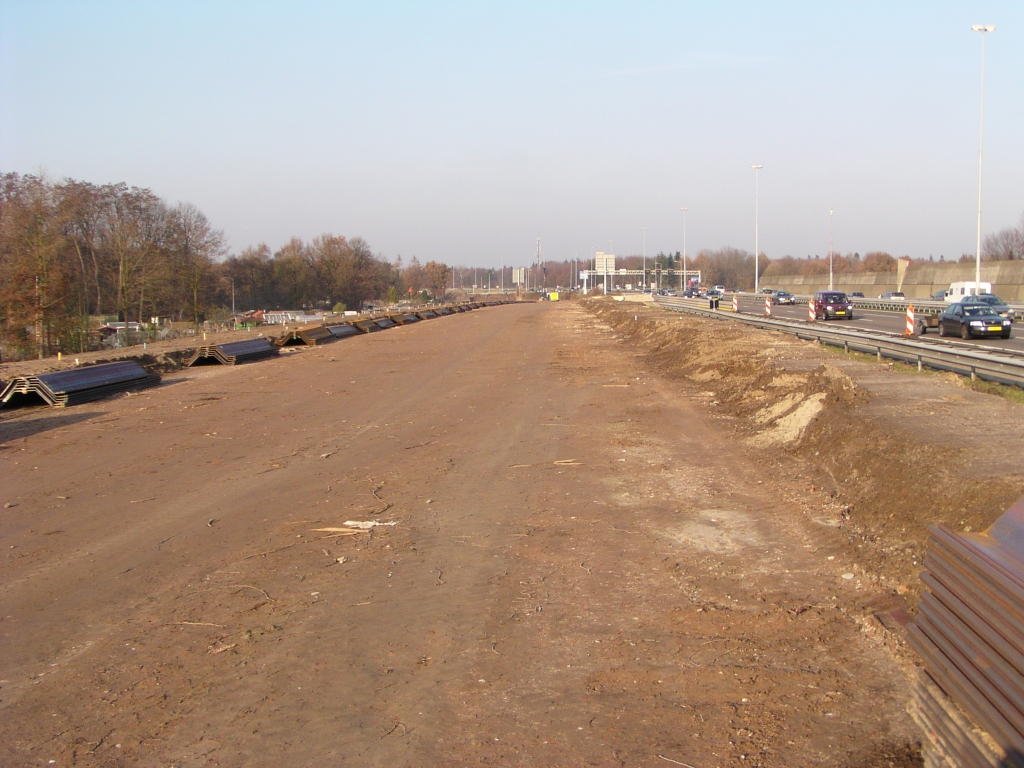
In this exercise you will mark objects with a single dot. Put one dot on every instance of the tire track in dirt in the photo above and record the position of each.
(588, 568)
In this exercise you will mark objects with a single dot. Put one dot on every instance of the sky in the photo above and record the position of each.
(463, 131)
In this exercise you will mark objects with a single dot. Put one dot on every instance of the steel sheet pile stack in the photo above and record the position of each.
(319, 334)
(322, 334)
(343, 331)
(79, 385)
(82, 385)
(970, 633)
(235, 353)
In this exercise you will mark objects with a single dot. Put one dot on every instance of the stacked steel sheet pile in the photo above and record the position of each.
(318, 334)
(343, 330)
(970, 633)
(406, 318)
(235, 353)
(80, 385)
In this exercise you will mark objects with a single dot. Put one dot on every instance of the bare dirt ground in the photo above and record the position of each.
(621, 539)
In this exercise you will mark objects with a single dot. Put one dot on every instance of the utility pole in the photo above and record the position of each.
(756, 203)
(830, 249)
(983, 28)
(685, 284)
(644, 280)
(538, 260)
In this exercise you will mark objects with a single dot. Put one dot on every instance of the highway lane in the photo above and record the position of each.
(871, 320)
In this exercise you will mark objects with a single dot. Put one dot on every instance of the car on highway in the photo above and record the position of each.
(832, 304)
(970, 320)
(893, 296)
(940, 295)
(991, 300)
(768, 291)
(783, 297)
(857, 295)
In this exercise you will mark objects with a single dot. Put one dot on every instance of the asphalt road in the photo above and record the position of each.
(873, 320)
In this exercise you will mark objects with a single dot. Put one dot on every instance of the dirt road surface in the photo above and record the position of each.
(585, 568)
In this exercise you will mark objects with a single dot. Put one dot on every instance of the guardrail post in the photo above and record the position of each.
(811, 317)
(768, 306)
(735, 303)
(910, 321)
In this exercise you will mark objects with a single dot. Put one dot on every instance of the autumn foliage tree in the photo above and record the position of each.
(436, 276)
(72, 253)
(1006, 244)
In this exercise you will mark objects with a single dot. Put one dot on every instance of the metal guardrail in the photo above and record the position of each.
(885, 305)
(988, 363)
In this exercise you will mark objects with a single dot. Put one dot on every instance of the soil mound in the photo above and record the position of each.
(873, 477)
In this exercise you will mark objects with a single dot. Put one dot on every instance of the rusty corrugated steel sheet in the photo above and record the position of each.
(406, 318)
(318, 334)
(366, 325)
(343, 330)
(970, 634)
(233, 353)
(78, 385)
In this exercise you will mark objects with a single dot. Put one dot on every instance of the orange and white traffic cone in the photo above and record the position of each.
(910, 321)
(768, 306)
(811, 316)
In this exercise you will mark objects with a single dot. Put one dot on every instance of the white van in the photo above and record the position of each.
(959, 291)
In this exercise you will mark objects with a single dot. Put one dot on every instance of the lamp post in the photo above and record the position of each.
(830, 249)
(983, 28)
(684, 284)
(756, 202)
(643, 280)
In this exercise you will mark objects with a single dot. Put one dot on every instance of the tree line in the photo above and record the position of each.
(72, 251)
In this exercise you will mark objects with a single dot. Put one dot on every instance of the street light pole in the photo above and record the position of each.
(644, 279)
(983, 28)
(684, 284)
(830, 249)
(756, 212)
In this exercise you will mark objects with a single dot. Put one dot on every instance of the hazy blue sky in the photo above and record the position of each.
(464, 131)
